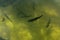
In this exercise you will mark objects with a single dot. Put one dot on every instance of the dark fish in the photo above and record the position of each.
(48, 23)
(7, 17)
(31, 20)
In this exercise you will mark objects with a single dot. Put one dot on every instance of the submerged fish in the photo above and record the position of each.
(49, 21)
(7, 17)
(31, 20)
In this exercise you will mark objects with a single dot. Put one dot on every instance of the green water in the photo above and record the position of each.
(15, 25)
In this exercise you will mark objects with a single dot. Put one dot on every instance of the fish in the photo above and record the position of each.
(7, 17)
(49, 21)
(34, 19)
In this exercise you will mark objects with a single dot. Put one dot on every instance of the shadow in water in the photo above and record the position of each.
(1, 38)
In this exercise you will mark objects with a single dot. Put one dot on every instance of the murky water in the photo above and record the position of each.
(22, 20)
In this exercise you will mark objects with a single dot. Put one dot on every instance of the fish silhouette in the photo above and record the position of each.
(48, 23)
(31, 20)
(7, 17)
